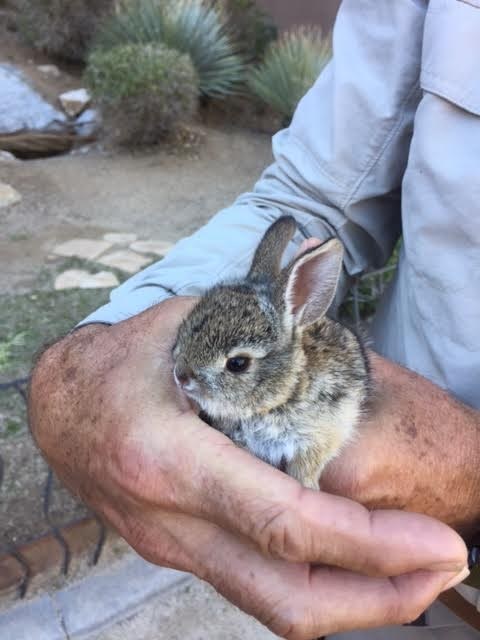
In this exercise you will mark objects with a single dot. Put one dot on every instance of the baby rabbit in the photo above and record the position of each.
(266, 365)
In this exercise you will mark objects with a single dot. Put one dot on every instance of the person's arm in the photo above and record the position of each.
(337, 169)
(106, 414)
(105, 410)
(418, 450)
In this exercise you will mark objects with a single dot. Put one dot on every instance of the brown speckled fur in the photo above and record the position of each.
(302, 396)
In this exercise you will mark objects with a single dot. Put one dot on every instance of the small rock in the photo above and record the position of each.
(49, 69)
(8, 195)
(82, 151)
(120, 238)
(88, 122)
(74, 102)
(80, 279)
(86, 249)
(127, 261)
(51, 258)
(157, 247)
(70, 279)
(21, 107)
(6, 156)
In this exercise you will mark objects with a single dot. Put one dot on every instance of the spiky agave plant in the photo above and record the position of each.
(197, 28)
(291, 66)
(140, 22)
(193, 27)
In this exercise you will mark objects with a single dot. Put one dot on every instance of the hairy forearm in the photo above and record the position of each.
(61, 384)
(418, 449)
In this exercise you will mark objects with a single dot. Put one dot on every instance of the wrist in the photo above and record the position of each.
(418, 449)
(442, 437)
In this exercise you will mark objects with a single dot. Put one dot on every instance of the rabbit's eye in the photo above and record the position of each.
(238, 364)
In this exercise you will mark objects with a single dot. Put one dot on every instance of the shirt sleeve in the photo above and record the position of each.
(337, 169)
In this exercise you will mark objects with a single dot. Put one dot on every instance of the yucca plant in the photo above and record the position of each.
(252, 28)
(193, 27)
(291, 66)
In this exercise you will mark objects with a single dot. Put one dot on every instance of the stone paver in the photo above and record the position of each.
(156, 247)
(82, 539)
(81, 248)
(12, 577)
(80, 279)
(44, 558)
(127, 261)
(8, 195)
(120, 238)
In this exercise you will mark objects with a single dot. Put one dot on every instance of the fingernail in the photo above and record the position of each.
(457, 579)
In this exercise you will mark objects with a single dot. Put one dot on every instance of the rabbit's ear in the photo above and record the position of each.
(268, 256)
(311, 282)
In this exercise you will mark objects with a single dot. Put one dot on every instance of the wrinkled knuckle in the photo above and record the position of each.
(276, 535)
(375, 564)
(137, 475)
(400, 612)
(283, 532)
(138, 536)
(408, 613)
(292, 626)
(125, 461)
(162, 550)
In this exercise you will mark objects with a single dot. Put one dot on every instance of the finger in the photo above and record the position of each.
(293, 600)
(306, 245)
(195, 469)
(215, 480)
(343, 601)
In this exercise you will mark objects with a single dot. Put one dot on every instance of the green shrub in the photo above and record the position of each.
(252, 28)
(144, 91)
(291, 66)
(62, 28)
(193, 27)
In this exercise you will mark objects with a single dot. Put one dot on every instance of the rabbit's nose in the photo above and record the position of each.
(183, 375)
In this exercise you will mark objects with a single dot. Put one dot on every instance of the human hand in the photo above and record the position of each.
(418, 449)
(106, 413)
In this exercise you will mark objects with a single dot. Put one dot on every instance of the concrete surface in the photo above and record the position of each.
(131, 599)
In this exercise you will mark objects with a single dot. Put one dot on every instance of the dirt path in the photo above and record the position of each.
(155, 195)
